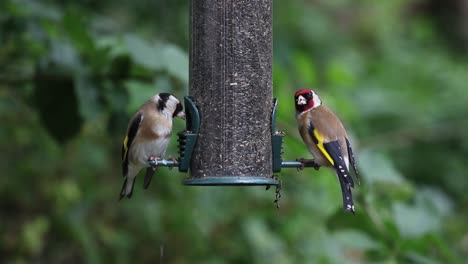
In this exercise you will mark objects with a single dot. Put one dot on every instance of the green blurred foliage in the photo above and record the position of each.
(394, 71)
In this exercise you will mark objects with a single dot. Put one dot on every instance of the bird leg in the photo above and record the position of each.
(308, 162)
(153, 165)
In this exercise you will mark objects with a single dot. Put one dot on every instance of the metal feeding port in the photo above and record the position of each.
(276, 140)
(188, 138)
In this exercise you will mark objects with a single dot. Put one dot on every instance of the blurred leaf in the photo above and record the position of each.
(176, 61)
(375, 101)
(306, 69)
(322, 195)
(414, 221)
(66, 193)
(33, 234)
(159, 56)
(320, 247)
(62, 58)
(435, 200)
(82, 234)
(138, 93)
(76, 26)
(152, 217)
(417, 258)
(143, 52)
(39, 9)
(356, 239)
(89, 97)
(115, 46)
(267, 246)
(338, 74)
(377, 168)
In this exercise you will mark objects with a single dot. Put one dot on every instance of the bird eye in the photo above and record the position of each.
(179, 108)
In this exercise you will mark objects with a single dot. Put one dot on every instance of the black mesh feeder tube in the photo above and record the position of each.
(231, 86)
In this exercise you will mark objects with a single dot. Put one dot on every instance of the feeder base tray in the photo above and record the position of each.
(231, 180)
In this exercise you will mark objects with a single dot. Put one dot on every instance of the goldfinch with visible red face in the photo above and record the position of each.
(327, 141)
(148, 135)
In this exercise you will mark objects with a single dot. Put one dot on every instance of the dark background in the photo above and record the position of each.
(72, 74)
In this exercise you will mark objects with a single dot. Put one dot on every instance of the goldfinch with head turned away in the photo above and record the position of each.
(148, 135)
(327, 141)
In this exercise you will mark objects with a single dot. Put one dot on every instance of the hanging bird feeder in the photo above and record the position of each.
(231, 136)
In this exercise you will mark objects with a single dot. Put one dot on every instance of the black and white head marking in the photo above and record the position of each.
(163, 98)
(169, 105)
(316, 99)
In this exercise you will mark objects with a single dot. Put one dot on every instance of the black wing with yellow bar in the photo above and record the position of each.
(132, 131)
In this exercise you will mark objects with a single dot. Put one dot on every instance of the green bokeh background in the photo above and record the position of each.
(71, 75)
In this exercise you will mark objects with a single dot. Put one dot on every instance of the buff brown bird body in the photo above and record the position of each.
(327, 141)
(147, 138)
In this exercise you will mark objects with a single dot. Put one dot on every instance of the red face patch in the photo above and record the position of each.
(307, 94)
(303, 91)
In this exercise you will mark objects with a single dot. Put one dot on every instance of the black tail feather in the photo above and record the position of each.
(348, 203)
(353, 161)
(148, 176)
(124, 189)
(334, 150)
(129, 195)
